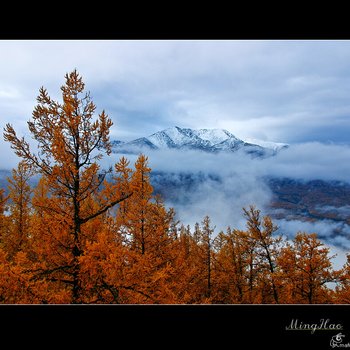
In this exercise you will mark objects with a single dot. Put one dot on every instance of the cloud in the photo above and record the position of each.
(324, 229)
(8, 93)
(207, 184)
(340, 256)
(307, 161)
(242, 177)
(343, 211)
(8, 159)
(310, 161)
(222, 199)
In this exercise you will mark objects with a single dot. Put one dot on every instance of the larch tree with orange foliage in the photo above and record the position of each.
(267, 246)
(70, 142)
(145, 226)
(16, 281)
(185, 269)
(17, 235)
(306, 268)
(131, 261)
(343, 289)
(196, 258)
(235, 268)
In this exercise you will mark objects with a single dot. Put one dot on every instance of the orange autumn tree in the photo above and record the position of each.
(203, 259)
(16, 285)
(145, 228)
(185, 266)
(267, 246)
(343, 289)
(17, 235)
(306, 269)
(246, 262)
(194, 264)
(132, 259)
(191, 267)
(70, 142)
(236, 269)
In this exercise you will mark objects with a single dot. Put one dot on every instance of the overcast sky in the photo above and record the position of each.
(286, 91)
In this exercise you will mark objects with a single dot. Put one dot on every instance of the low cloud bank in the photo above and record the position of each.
(337, 233)
(306, 161)
(310, 161)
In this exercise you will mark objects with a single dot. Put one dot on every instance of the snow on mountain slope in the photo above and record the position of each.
(214, 136)
(173, 137)
(207, 140)
(163, 139)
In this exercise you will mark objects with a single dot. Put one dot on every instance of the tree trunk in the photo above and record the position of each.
(76, 230)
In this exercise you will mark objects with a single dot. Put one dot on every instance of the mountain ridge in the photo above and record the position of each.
(206, 140)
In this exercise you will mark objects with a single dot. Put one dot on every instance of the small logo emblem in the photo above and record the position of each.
(337, 341)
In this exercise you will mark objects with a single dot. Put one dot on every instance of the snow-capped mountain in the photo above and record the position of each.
(207, 140)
